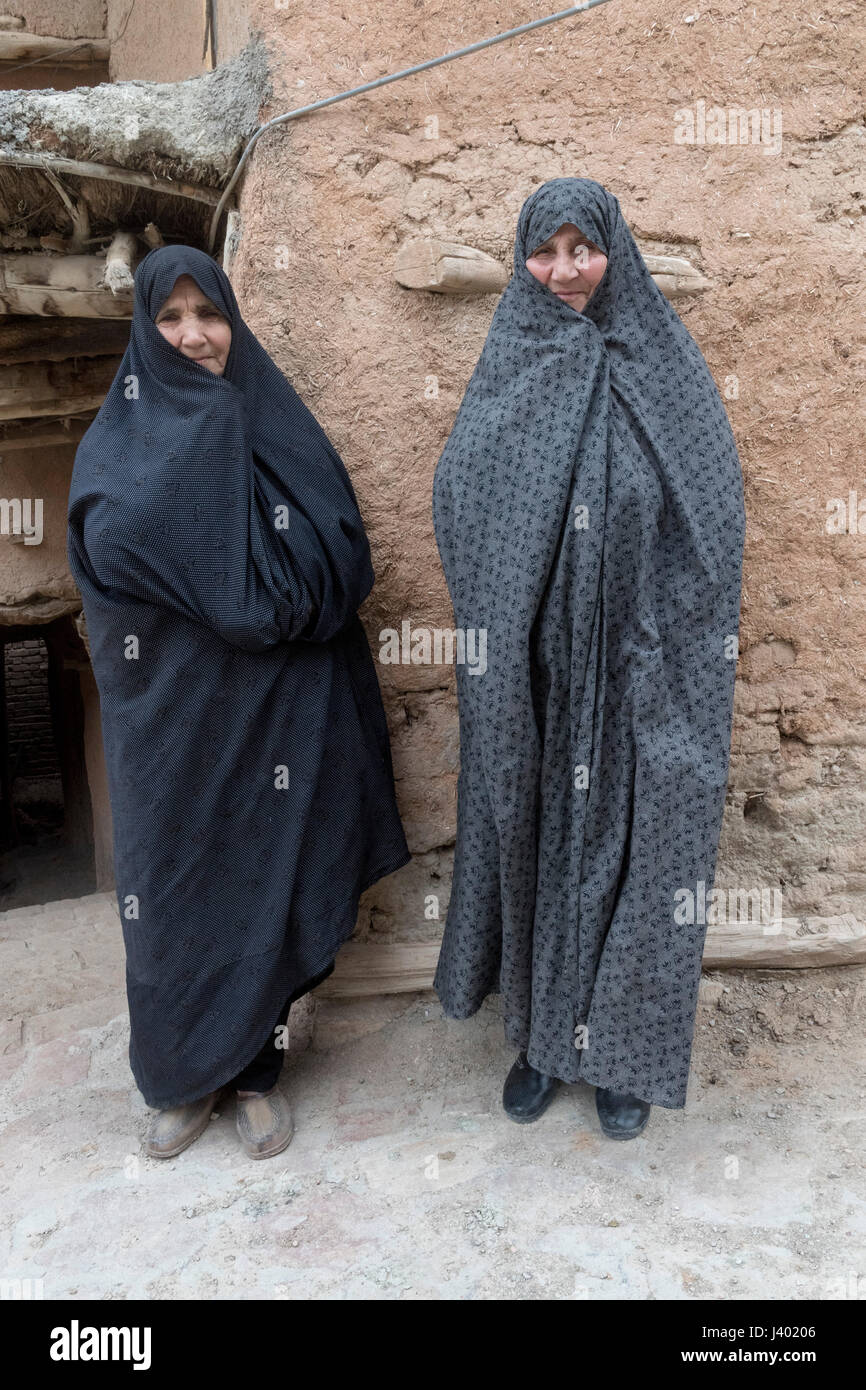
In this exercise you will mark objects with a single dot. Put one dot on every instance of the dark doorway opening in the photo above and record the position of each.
(46, 818)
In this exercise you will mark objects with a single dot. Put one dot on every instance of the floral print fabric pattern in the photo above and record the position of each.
(588, 508)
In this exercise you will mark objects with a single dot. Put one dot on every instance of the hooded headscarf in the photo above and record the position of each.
(588, 508)
(216, 540)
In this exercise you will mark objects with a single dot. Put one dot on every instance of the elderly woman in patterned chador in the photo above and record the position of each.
(588, 509)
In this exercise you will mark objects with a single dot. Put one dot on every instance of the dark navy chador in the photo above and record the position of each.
(216, 540)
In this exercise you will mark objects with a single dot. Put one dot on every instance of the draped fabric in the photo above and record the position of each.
(588, 508)
(216, 540)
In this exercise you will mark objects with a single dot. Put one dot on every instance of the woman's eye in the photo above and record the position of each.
(582, 249)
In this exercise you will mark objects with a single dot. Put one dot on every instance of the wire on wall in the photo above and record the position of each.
(381, 82)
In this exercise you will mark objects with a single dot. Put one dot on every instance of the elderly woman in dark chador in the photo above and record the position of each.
(216, 540)
(588, 508)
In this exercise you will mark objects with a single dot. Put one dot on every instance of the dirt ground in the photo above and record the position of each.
(405, 1179)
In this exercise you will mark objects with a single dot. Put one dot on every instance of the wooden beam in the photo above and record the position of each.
(20, 437)
(84, 169)
(446, 267)
(55, 388)
(17, 47)
(79, 214)
(40, 339)
(233, 237)
(675, 276)
(789, 944)
(368, 967)
(120, 261)
(33, 282)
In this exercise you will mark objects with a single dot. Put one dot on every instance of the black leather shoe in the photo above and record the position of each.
(623, 1116)
(527, 1092)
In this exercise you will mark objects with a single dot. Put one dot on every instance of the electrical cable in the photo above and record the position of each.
(381, 82)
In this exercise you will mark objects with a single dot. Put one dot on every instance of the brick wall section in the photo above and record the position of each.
(31, 738)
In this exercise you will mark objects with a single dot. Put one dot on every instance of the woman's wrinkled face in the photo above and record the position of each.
(195, 326)
(569, 264)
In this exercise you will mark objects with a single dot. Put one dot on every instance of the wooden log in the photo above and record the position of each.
(17, 47)
(448, 268)
(789, 944)
(424, 263)
(59, 286)
(55, 388)
(233, 238)
(51, 241)
(675, 276)
(368, 967)
(38, 339)
(79, 214)
(85, 169)
(18, 437)
(372, 967)
(120, 259)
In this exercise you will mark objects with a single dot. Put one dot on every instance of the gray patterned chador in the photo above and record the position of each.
(588, 508)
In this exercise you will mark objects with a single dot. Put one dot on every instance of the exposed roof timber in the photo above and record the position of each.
(41, 339)
(72, 387)
(87, 170)
(66, 286)
(42, 434)
(18, 47)
(447, 267)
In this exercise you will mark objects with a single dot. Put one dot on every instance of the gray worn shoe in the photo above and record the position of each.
(264, 1122)
(173, 1130)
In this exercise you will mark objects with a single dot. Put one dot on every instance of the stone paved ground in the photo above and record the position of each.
(405, 1179)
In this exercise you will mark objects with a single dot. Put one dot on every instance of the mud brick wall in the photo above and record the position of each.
(31, 738)
(778, 229)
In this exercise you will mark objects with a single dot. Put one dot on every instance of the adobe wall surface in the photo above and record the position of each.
(35, 582)
(74, 19)
(778, 230)
(156, 40)
(159, 42)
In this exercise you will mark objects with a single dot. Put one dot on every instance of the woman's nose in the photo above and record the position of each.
(566, 267)
(191, 331)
